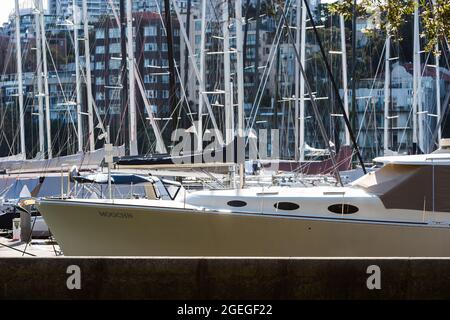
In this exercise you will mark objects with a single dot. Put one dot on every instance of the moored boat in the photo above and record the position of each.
(402, 209)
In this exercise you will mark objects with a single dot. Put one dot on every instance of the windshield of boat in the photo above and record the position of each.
(168, 190)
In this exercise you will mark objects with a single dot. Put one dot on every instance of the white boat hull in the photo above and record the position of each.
(106, 229)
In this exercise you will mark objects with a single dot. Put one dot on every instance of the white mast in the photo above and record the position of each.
(297, 81)
(76, 23)
(197, 73)
(387, 84)
(45, 75)
(416, 73)
(240, 82)
(344, 74)
(438, 89)
(227, 76)
(202, 76)
(302, 83)
(131, 82)
(438, 94)
(87, 56)
(39, 79)
(20, 81)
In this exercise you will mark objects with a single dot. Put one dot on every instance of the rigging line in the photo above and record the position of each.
(313, 100)
(336, 90)
(176, 66)
(142, 118)
(61, 87)
(371, 90)
(164, 28)
(197, 74)
(15, 249)
(10, 146)
(404, 131)
(265, 76)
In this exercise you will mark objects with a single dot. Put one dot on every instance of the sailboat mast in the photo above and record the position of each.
(297, 81)
(202, 77)
(438, 94)
(39, 79)
(226, 75)
(438, 89)
(76, 23)
(197, 74)
(336, 90)
(45, 75)
(302, 81)
(20, 81)
(344, 73)
(171, 58)
(123, 122)
(240, 84)
(87, 57)
(131, 83)
(354, 106)
(387, 85)
(416, 67)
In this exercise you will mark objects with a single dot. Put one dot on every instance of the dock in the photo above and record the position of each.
(36, 248)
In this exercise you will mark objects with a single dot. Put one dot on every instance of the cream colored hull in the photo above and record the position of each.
(98, 229)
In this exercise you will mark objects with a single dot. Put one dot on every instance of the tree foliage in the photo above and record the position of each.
(391, 14)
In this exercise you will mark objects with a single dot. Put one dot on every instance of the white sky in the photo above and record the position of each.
(7, 7)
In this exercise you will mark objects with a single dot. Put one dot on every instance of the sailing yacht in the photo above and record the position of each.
(402, 209)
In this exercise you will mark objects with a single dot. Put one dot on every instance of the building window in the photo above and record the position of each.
(99, 81)
(251, 53)
(114, 48)
(100, 34)
(99, 96)
(165, 94)
(100, 65)
(151, 47)
(150, 79)
(150, 31)
(114, 64)
(151, 94)
(251, 39)
(114, 94)
(114, 33)
(100, 49)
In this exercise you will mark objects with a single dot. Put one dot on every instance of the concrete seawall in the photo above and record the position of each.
(223, 278)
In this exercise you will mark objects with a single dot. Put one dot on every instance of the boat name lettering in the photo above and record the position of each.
(121, 215)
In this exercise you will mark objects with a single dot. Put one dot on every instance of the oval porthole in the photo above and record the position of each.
(343, 208)
(237, 203)
(286, 206)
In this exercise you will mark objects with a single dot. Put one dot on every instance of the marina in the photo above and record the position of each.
(193, 149)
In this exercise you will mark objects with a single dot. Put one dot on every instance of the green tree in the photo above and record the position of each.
(434, 14)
